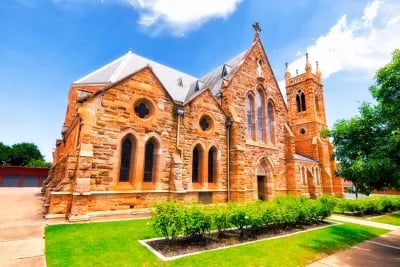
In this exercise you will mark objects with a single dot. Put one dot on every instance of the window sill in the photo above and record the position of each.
(197, 186)
(212, 186)
(251, 142)
(148, 186)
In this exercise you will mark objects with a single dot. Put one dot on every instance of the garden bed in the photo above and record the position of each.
(169, 249)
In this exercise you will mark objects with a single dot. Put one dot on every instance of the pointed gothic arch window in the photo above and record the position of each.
(317, 103)
(314, 173)
(318, 174)
(196, 164)
(149, 160)
(303, 175)
(300, 101)
(271, 122)
(250, 116)
(260, 117)
(127, 152)
(212, 164)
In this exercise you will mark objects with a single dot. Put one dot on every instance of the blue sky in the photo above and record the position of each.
(45, 45)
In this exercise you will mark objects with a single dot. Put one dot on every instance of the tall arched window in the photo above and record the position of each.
(196, 164)
(149, 161)
(303, 175)
(318, 174)
(317, 101)
(271, 122)
(250, 116)
(212, 165)
(300, 101)
(260, 120)
(127, 149)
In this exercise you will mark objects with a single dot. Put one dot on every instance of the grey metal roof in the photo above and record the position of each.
(213, 79)
(130, 63)
(304, 158)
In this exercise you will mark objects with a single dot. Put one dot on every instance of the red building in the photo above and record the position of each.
(19, 176)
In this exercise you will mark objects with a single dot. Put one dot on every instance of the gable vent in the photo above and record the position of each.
(179, 82)
(225, 71)
(198, 86)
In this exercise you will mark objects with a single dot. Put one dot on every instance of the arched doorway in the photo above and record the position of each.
(263, 173)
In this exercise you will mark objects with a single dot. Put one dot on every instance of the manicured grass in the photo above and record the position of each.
(116, 244)
(393, 219)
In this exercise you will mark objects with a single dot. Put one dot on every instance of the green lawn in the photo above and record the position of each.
(393, 219)
(116, 244)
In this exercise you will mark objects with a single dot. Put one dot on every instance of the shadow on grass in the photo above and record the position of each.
(395, 215)
(340, 237)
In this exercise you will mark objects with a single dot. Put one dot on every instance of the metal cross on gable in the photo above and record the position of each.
(257, 27)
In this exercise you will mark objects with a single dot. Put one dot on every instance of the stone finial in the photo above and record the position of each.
(318, 72)
(308, 65)
(287, 74)
(257, 28)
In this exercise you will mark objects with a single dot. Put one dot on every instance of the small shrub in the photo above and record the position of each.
(369, 205)
(220, 218)
(197, 222)
(171, 218)
(168, 218)
(255, 216)
(270, 214)
(326, 206)
(238, 217)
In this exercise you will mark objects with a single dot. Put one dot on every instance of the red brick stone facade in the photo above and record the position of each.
(130, 142)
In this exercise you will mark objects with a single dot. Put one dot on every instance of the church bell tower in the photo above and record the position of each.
(306, 107)
(305, 99)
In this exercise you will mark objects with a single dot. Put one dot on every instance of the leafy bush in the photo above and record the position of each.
(326, 205)
(255, 216)
(171, 218)
(197, 222)
(239, 216)
(220, 218)
(168, 218)
(368, 205)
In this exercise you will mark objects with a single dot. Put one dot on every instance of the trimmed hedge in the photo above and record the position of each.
(368, 205)
(171, 219)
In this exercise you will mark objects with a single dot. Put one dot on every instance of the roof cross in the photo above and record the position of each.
(257, 28)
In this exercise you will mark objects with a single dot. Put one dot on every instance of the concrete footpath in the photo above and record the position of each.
(380, 251)
(21, 227)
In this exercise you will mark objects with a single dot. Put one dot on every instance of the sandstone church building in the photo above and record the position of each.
(136, 132)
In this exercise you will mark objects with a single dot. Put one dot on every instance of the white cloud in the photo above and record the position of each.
(179, 16)
(360, 44)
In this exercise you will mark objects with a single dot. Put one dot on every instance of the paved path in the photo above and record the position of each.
(364, 222)
(21, 227)
(381, 251)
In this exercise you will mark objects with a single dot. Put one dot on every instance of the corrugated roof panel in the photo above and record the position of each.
(130, 63)
(213, 79)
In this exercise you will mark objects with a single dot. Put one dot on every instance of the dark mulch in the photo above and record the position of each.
(184, 245)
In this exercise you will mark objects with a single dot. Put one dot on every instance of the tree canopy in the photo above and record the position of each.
(22, 154)
(367, 146)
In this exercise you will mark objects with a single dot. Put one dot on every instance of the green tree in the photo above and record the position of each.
(367, 146)
(386, 91)
(22, 153)
(4, 154)
(39, 163)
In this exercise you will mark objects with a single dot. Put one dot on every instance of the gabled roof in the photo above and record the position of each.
(213, 80)
(304, 158)
(175, 82)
